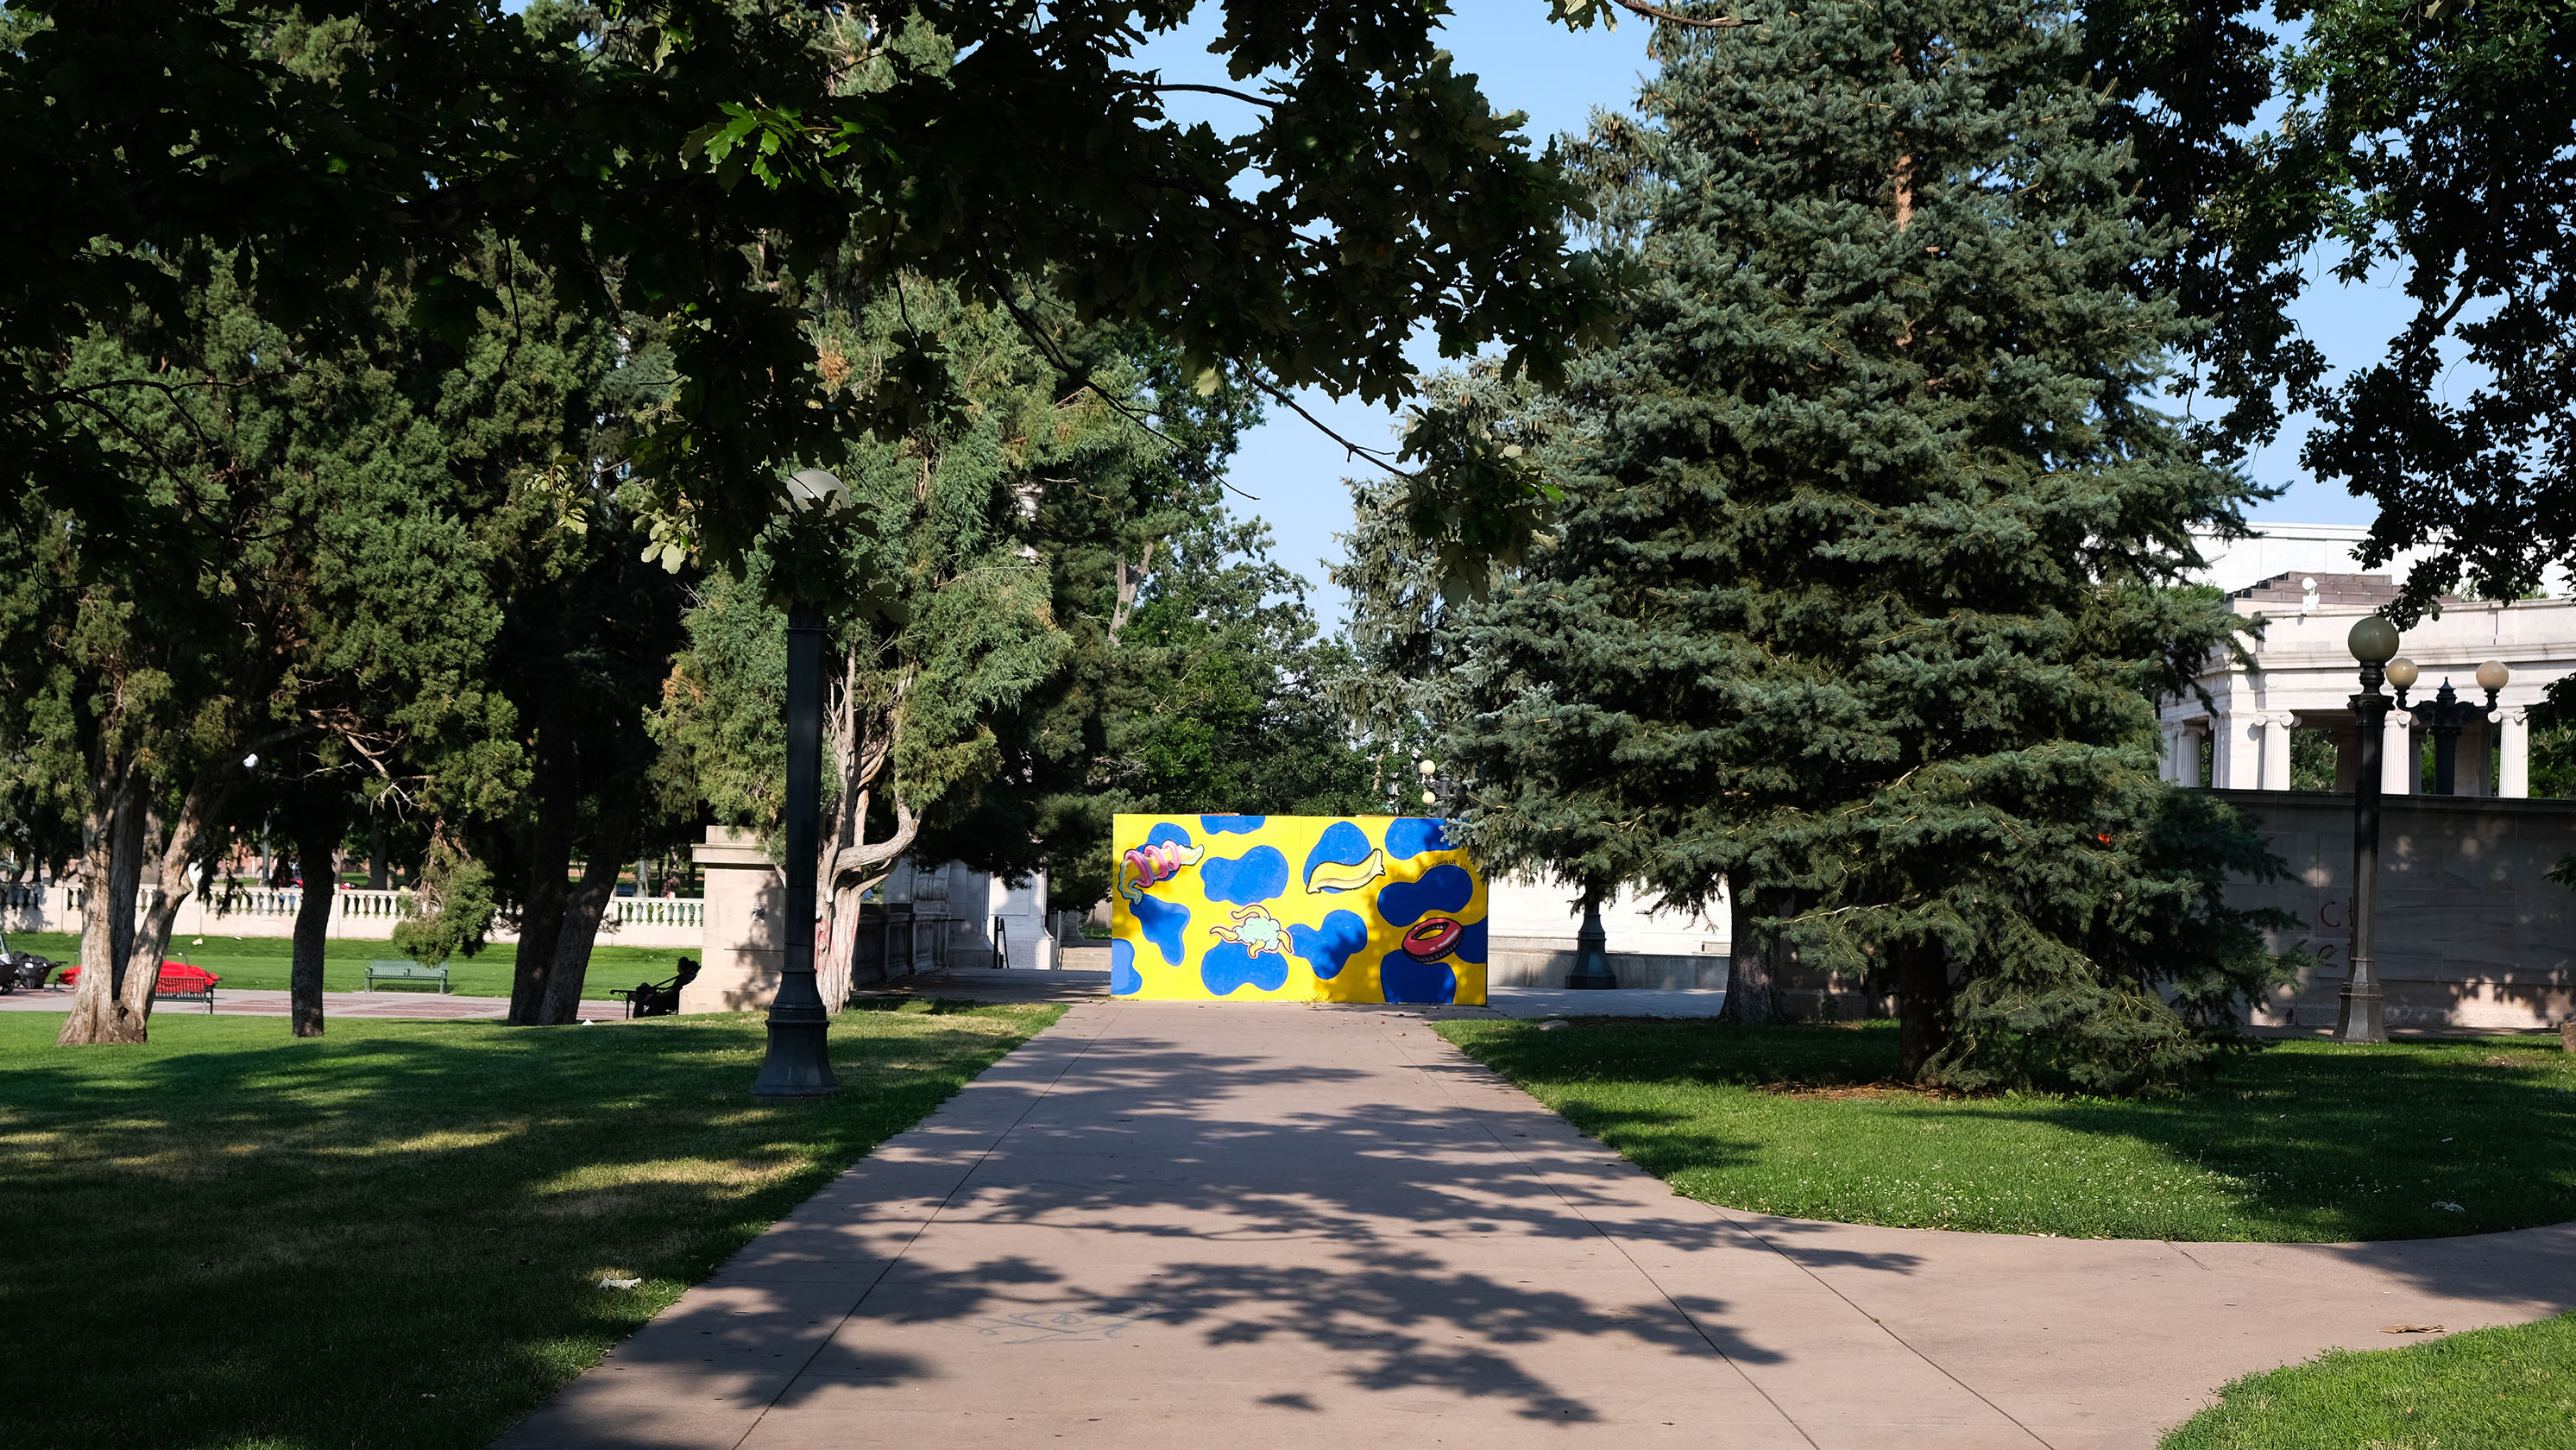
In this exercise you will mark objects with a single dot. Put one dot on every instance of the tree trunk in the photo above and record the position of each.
(318, 825)
(578, 926)
(166, 862)
(1127, 581)
(377, 879)
(849, 861)
(1752, 969)
(121, 950)
(541, 910)
(111, 863)
(1922, 1004)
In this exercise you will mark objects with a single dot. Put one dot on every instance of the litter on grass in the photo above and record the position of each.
(619, 1283)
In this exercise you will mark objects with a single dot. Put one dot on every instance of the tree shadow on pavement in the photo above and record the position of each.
(1331, 1224)
(395, 1234)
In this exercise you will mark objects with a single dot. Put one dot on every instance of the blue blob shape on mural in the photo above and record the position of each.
(1342, 844)
(1470, 945)
(1167, 832)
(1163, 922)
(1442, 888)
(1404, 978)
(1229, 966)
(1329, 947)
(1257, 875)
(1414, 835)
(1231, 825)
(1124, 979)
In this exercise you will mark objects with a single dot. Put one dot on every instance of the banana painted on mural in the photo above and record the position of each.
(1337, 876)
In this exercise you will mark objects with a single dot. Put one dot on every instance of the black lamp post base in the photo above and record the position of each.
(1591, 956)
(799, 1064)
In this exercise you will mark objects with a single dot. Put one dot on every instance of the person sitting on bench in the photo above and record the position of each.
(658, 999)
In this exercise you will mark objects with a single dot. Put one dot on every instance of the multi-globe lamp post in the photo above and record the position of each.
(2361, 1011)
(799, 1061)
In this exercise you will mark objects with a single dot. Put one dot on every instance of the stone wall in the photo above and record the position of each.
(1548, 961)
(2470, 933)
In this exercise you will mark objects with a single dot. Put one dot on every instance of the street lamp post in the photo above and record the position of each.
(799, 1061)
(2361, 1012)
(1591, 949)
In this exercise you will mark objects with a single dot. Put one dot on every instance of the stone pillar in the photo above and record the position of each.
(2397, 772)
(2276, 751)
(2237, 761)
(2469, 765)
(746, 942)
(2347, 744)
(2513, 776)
(2174, 765)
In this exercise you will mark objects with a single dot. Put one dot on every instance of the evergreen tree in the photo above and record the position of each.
(1861, 590)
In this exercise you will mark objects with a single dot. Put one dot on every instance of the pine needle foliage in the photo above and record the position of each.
(1866, 574)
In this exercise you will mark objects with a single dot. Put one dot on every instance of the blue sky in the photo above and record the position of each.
(1558, 78)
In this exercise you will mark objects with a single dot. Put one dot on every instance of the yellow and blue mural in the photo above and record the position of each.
(1295, 909)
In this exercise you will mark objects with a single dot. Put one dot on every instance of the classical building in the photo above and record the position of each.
(2472, 932)
(2303, 582)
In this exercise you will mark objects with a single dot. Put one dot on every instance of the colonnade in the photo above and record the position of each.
(2250, 750)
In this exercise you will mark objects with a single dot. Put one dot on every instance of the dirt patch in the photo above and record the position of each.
(1839, 1092)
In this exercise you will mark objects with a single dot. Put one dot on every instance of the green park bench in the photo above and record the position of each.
(405, 971)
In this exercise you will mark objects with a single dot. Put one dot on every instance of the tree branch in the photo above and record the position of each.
(1657, 12)
(1246, 98)
(1356, 450)
(1082, 376)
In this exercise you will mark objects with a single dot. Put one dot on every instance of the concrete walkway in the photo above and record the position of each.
(1229, 1227)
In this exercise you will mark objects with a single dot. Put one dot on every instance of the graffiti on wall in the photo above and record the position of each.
(1294, 909)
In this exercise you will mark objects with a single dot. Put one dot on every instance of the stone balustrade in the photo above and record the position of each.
(644, 921)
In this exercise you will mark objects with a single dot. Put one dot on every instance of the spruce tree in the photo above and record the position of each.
(1863, 580)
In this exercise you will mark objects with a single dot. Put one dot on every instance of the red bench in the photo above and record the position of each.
(177, 981)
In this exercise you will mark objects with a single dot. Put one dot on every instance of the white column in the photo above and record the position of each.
(2469, 772)
(2171, 766)
(2237, 761)
(2276, 751)
(2397, 774)
(2513, 776)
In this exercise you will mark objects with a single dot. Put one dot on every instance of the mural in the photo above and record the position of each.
(1295, 909)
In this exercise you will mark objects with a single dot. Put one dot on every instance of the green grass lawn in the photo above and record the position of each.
(2300, 1141)
(2491, 1389)
(392, 1236)
(263, 962)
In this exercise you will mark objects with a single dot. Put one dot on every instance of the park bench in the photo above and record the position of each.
(406, 971)
(176, 981)
(179, 981)
(658, 999)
